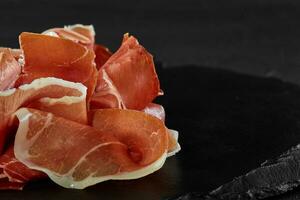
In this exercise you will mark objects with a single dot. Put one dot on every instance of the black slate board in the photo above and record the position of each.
(228, 123)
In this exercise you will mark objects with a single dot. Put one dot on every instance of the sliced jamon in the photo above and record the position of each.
(130, 127)
(14, 174)
(82, 34)
(9, 69)
(128, 78)
(49, 94)
(122, 122)
(104, 153)
(158, 111)
(47, 56)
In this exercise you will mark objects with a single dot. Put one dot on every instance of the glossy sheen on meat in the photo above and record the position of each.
(155, 110)
(49, 94)
(48, 56)
(14, 174)
(127, 79)
(9, 69)
(109, 153)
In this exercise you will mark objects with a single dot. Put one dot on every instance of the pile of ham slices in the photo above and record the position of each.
(72, 111)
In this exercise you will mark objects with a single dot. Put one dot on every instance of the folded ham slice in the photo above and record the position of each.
(48, 94)
(47, 56)
(127, 79)
(82, 34)
(9, 69)
(61, 97)
(80, 156)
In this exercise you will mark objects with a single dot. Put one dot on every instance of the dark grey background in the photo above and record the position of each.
(251, 36)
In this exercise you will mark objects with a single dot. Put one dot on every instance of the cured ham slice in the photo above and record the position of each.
(49, 94)
(127, 79)
(14, 174)
(9, 69)
(82, 34)
(127, 125)
(158, 111)
(69, 102)
(105, 153)
(47, 56)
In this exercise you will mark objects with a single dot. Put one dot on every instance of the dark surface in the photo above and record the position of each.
(274, 177)
(228, 124)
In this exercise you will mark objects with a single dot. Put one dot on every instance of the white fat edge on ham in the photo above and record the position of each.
(8, 92)
(21, 148)
(44, 82)
(50, 33)
(174, 134)
(89, 27)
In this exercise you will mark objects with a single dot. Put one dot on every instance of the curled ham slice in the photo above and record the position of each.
(61, 97)
(47, 56)
(158, 111)
(9, 69)
(82, 34)
(49, 94)
(127, 79)
(126, 152)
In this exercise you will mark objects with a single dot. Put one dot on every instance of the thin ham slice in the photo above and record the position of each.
(61, 97)
(158, 111)
(127, 79)
(104, 154)
(82, 34)
(47, 56)
(50, 94)
(9, 69)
